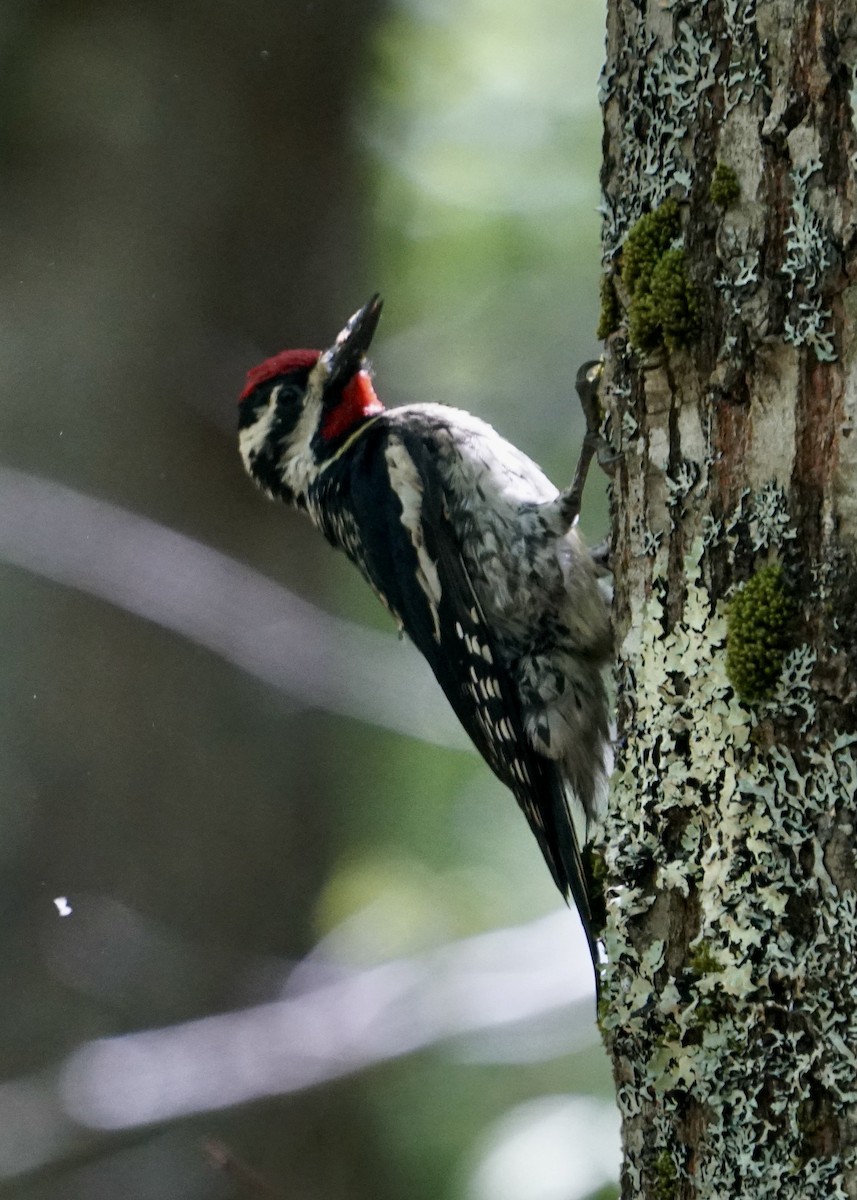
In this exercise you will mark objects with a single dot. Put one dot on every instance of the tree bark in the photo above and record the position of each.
(730, 390)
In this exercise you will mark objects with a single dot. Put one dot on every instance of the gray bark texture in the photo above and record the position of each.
(729, 999)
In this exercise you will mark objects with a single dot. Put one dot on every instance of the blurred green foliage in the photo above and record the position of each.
(486, 138)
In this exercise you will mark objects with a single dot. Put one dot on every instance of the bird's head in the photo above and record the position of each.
(298, 408)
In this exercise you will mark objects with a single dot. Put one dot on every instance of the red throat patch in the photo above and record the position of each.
(280, 364)
(358, 401)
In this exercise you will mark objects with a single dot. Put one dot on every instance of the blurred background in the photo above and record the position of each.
(269, 926)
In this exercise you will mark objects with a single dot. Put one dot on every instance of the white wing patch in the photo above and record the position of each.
(406, 482)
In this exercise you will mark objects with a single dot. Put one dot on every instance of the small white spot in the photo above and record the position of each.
(458, 629)
(486, 654)
(63, 907)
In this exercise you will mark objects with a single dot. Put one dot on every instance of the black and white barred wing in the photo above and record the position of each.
(415, 556)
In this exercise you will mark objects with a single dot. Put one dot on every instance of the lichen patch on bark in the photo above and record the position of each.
(730, 996)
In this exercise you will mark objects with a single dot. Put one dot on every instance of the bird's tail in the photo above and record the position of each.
(556, 822)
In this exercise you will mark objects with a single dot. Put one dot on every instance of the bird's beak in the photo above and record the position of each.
(346, 354)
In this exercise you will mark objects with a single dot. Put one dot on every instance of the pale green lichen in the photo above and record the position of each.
(807, 259)
(682, 482)
(767, 519)
(747, 810)
(665, 96)
(760, 634)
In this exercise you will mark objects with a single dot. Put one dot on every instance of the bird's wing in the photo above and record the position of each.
(411, 554)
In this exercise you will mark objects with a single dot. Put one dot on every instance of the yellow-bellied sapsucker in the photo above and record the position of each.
(476, 555)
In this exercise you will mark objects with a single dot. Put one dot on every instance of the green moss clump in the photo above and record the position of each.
(760, 632)
(609, 317)
(647, 240)
(724, 189)
(666, 1177)
(665, 314)
(663, 301)
(675, 300)
(704, 961)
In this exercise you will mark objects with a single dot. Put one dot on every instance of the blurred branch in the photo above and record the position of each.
(340, 1021)
(490, 994)
(210, 599)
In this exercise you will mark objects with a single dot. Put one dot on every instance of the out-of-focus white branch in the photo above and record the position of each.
(358, 1018)
(524, 992)
(216, 602)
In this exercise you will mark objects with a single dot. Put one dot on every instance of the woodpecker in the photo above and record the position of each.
(476, 555)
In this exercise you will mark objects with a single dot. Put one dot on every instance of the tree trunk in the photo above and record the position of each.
(730, 995)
